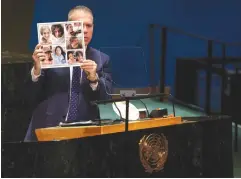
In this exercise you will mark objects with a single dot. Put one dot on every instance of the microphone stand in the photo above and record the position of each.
(127, 114)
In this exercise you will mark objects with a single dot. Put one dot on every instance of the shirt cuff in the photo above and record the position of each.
(94, 86)
(34, 77)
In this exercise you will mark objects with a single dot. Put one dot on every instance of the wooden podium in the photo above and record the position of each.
(65, 133)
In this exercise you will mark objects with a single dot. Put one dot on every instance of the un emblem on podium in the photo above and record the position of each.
(153, 150)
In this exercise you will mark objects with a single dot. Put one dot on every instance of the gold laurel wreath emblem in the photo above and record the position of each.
(153, 150)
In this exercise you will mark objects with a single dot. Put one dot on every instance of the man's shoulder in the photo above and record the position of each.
(98, 52)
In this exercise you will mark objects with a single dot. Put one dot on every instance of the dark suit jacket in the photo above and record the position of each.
(51, 94)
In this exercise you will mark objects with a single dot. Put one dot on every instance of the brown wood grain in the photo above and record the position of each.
(64, 133)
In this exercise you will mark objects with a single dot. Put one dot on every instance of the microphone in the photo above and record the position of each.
(159, 112)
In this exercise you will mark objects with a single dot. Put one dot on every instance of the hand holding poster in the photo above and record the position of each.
(62, 43)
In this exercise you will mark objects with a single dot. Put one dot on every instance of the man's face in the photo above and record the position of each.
(87, 18)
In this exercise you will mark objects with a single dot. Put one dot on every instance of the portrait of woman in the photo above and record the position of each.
(59, 56)
(45, 33)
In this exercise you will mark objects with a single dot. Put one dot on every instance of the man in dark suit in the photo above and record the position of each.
(51, 87)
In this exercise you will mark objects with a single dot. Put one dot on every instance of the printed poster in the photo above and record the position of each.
(62, 43)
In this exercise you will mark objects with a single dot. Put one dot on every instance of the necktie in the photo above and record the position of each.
(74, 95)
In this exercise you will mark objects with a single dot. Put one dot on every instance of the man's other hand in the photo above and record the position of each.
(89, 66)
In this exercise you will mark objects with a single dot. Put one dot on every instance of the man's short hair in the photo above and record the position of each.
(79, 8)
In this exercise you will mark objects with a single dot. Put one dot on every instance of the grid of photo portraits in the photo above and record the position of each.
(62, 43)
